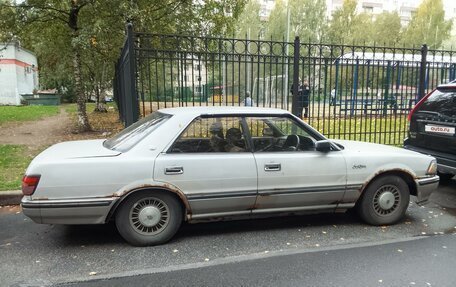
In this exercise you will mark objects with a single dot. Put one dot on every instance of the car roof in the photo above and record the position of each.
(211, 110)
(451, 84)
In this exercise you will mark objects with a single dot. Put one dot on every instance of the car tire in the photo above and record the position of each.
(384, 201)
(149, 218)
(444, 177)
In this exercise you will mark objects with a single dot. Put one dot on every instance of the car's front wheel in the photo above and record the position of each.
(149, 218)
(384, 201)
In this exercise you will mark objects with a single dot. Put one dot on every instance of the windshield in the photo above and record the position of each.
(133, 134)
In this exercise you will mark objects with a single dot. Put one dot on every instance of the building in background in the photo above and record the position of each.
(405, 8)
(18, 73)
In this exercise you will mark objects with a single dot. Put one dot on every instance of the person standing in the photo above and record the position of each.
(333, 97)
(248, 101)
(305, 95)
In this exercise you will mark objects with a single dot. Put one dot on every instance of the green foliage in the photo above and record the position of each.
(348, 27)
(276, 28)
(387, 29)
(249, 24)
(428, 26)
(13, 162)
(308, 19)
(26, 113)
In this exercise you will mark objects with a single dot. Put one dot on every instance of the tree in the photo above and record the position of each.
(308, 19)
(387, 29)
(249, 23)
(276, 28)
(77, 41)
(428, 26)
(346, 26)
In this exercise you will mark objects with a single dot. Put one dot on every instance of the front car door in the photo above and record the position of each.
(292, 175)
(212, 164)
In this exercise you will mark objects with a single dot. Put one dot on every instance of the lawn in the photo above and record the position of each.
(389, 130)
(26, 113)
(14, 159)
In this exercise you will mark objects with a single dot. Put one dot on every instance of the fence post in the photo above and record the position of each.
(295, 85)
(132, 104)
(422, 79)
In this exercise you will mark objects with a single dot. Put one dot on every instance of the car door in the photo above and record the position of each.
(216, 172)
(292, 175)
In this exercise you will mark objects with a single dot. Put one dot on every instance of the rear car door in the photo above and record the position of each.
(212, 164)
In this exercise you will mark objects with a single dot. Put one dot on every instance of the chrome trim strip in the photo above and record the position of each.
(278, 191)
(346, 205)
(66, 203)
(295, 208)
(219, 214)
(425, 181)
(226, 194)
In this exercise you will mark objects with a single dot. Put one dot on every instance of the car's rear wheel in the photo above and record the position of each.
(385, 200)
(149, 218)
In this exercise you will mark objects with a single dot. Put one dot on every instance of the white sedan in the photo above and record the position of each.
(213, 163)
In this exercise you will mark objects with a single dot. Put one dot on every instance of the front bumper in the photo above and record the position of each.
(424, 187)
(68, 211)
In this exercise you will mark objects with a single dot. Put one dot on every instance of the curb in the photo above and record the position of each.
(10, 197)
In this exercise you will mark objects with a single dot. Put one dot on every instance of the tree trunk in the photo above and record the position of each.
(101, 96)
(101, 100)
(83, 121)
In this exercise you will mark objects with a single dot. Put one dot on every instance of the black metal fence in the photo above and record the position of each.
(356, 92)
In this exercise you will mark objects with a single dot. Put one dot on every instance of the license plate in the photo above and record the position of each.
(439, 129)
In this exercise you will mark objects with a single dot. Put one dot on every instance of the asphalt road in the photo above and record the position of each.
(35, 255)
(427, 262)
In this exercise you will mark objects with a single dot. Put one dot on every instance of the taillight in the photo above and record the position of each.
(416, 107)
(29, 184)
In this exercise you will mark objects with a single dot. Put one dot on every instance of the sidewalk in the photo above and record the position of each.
(10, 197)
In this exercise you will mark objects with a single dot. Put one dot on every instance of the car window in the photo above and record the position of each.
(279, 134)
(441, 101)
(133, 134)
(213, 134)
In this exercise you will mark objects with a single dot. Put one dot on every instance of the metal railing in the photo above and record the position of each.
(356, 92)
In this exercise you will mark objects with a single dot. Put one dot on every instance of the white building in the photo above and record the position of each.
(405, 8)
(192, 74)
(18, 73)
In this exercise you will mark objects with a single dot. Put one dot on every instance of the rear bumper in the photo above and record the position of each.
(73, 211)
(446, 163)
(424, 188)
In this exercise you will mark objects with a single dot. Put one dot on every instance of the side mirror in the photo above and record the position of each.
(323, 146)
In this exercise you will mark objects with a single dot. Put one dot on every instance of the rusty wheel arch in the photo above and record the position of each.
(404, 174)
(178, 194)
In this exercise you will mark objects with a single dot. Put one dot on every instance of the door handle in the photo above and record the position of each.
(174, 170)
(272, 167)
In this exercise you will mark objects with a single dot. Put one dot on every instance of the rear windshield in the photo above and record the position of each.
(442, 102)
(133, 134)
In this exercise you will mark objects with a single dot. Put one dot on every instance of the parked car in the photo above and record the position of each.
(432, 128)
(213, 163)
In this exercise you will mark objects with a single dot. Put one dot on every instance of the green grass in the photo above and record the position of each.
(26, 113)
(14, 159)
(384, 130)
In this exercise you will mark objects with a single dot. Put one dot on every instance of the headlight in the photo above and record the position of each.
(432, 169)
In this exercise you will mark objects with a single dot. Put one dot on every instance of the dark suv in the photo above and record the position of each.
(432, 128)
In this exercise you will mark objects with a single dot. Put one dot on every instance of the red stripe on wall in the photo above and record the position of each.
(14, 62)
